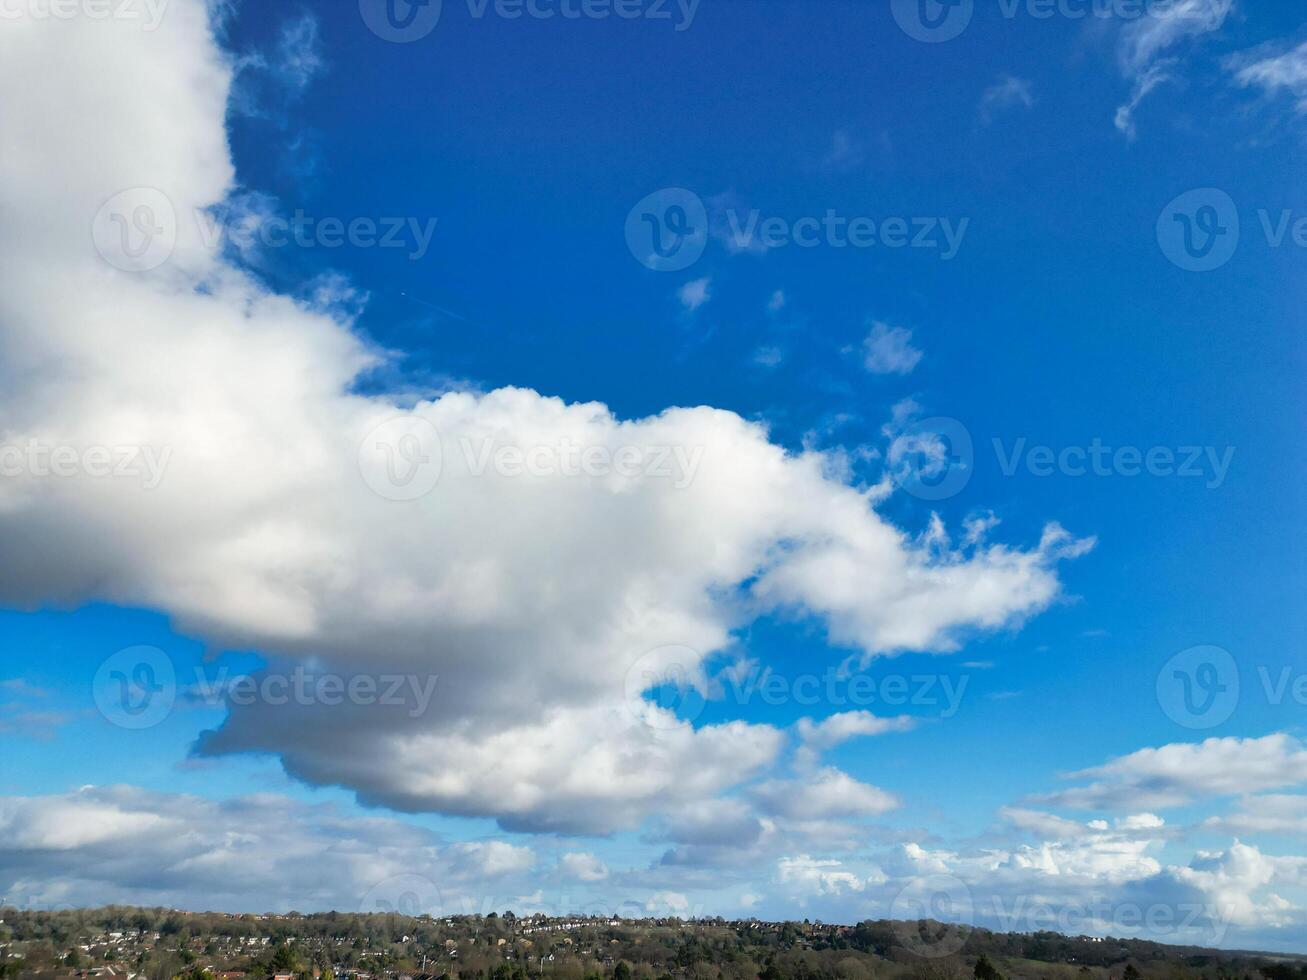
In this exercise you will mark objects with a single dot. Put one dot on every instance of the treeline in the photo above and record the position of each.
(496, 947)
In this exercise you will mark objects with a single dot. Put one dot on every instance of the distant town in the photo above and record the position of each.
(120, 943)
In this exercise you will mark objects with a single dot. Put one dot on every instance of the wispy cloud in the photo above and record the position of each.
(1009, 92)
(1275, 74)
(845, 152)
(1145, 40)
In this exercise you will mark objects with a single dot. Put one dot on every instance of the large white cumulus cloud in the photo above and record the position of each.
(531, 598)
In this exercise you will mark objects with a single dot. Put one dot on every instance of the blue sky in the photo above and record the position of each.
(1059, 317)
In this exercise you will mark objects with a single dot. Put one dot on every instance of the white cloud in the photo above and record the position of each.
(491, 858)
(667, 903)
(1144, 40)
(1104, 856)
(1266, 814)
(1163, 26)
(1274, 74)
(268, 83)
(583, 866)
(1236, 883)
(122, 844)
(840, 727)
(264, 534)
(713, 823)
(813, 876)
(1149, 79)
(695, 293)
(1009, 92)
(1180, 773)
(1047, 825)
(888, 350)
(821, 795)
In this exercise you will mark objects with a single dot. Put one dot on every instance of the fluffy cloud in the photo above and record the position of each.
(1100, 879)
(121, 844)
(1236, 883)
(1180, 773)
(695, 293)
(713, 823)
(125, 844)
(582, 866)
(821, 795)
(840, 727)
(282, 525)
(812, 876)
